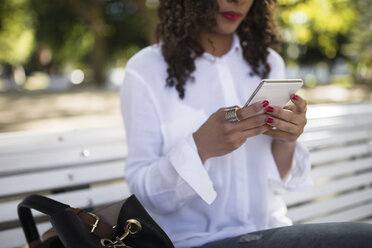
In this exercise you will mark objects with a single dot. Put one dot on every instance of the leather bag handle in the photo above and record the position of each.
(42, 204)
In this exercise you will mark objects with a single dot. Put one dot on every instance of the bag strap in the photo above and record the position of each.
(39, 203)
(51, 207)
(93, 223)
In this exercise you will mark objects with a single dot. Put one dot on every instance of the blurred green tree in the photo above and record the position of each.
(96, 34)
(92, 34)
(88, 34)
(323, 30)
(16, 32)
(315, 29)
(359, 47)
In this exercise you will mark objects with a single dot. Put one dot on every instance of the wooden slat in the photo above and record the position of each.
(15, 237)
(331, 110)
(328, 188)
(48, 180)
(21, 142)
(329, 138)
(367, 221)
(85, 198)
(341, 122)
(327, 206)
(353, 214)
(61, 158)
(339, 169)
(339, 153)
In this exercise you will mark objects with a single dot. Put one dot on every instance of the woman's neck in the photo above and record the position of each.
(215, 44)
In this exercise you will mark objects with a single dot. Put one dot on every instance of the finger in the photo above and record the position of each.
(290, 107)
(281, 135)
(255, 131)
(251, 122)
(286, 115)
(300, 103)
(283, 125)
(248, 111)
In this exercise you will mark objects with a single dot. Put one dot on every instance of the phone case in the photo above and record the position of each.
(277, 91)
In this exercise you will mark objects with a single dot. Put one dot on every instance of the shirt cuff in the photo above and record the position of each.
(298, 177)
(185, 159)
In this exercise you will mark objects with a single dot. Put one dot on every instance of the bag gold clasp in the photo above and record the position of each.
(131, 227)
(94, 226)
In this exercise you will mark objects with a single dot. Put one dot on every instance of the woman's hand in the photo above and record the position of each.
(289, 122)
(217, 136)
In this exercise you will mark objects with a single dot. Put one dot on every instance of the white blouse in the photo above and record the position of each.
(229, 195)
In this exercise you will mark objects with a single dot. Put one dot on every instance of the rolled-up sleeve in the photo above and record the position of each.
(163, 182)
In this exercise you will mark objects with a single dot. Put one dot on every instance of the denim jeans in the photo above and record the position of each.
(327, 235)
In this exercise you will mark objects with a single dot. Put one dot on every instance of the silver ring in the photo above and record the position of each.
(231, 116)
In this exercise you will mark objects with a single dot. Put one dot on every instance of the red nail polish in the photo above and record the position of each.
(294, 97)
(270, 109)
(269, 120)
(265, 103)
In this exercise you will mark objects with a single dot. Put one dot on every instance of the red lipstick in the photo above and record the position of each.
(231, 15)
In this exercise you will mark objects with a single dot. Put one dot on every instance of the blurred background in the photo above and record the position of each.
(62, 61)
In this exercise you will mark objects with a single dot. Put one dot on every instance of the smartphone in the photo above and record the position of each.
(277, 91)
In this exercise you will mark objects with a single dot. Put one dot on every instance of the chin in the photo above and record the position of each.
(226, 28)
(225, 31)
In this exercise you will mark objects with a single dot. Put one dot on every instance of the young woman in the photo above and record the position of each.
(205, 168)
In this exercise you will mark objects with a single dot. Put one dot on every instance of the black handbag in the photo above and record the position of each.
(75, 228)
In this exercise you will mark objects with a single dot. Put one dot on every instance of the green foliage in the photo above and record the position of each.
(95, 34)
(359, 47)
(60, 30)
(322, 30)
(317, 25)
(70, 35)
(126, 35)
(74, 33)
(16, 31)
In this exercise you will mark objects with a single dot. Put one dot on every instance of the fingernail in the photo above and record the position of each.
(269, 120)
(294, 97)
(265, 103)
(270, 109)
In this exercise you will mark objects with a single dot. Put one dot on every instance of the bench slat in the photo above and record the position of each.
(85, 198)
(367, 221)
(354, 214)
(338, 123)
(61, 158)
(339, 169)
(34, 141)
(329, 110)
(339, 153)
(328, 188)
(322, 139)
(48, 180)
(310, 210)
(15, 238)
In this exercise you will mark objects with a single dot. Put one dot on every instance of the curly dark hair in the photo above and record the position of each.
(179, 27)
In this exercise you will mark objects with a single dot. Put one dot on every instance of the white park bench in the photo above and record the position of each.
(84, 168)
(339, 138)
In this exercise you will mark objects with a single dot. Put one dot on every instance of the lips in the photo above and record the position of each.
(231, 15)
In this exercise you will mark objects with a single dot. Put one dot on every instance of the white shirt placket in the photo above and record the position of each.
(227, 83)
